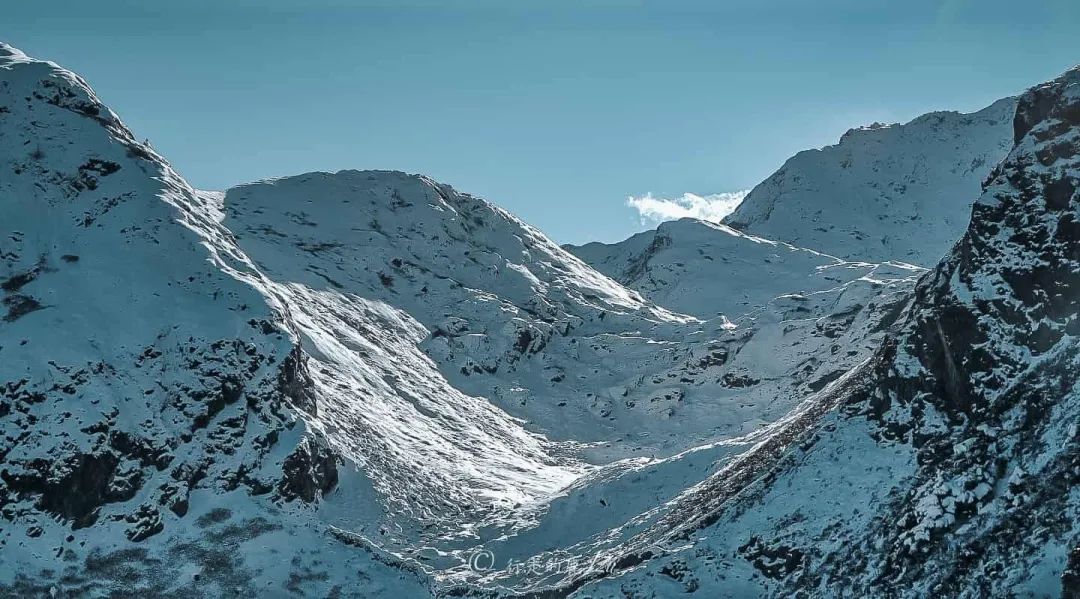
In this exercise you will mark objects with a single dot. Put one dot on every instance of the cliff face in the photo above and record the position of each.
(983, 382)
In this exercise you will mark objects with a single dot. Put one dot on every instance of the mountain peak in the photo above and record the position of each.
(898, 192)
(347, 176)
(688, 226)
(11, 52)
(1053, 99)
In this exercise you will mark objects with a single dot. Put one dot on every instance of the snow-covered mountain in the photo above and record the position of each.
(947, 465)
(709, 269)
(512, 317)
(413, 364)
(885, 192)
(369, 384)
(884, 196)
(149, 393)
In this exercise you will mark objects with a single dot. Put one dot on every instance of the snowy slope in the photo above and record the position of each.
(944, 466)
(709, 269)
(326, 370)
(511, 317)
(885, 192)
(498, 306)
(147, 402)
(357, 383)
(187, 380)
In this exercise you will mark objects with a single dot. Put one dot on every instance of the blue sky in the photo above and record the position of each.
(555, 110)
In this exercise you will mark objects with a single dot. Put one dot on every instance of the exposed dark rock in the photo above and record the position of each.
(143, 450)
(309, 472)
(180, 507)
(775, 560)
(230, 391)
(17, 282)
(295, 383)
(733, 380)
(1070, 578)
(1059, 193)
(103, 168)
(717, 356)
(678, 571)
(524, 338)
(640, 263)
(73, 489)
(146, 523)
(987, 329)
(821, 383)
(1035, 106)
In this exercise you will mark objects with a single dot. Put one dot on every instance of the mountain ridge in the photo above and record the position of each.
(959, 435)
(918, 178)
(360, 383)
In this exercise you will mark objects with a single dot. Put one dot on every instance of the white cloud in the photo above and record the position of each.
(712, 207)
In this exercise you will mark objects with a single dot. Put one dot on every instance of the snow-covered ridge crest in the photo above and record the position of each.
(709, 269)
(462, 217)
(894, 192)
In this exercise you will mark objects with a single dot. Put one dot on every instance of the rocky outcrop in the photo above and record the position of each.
(1070, 578)
(309, 472)
(294, 382)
